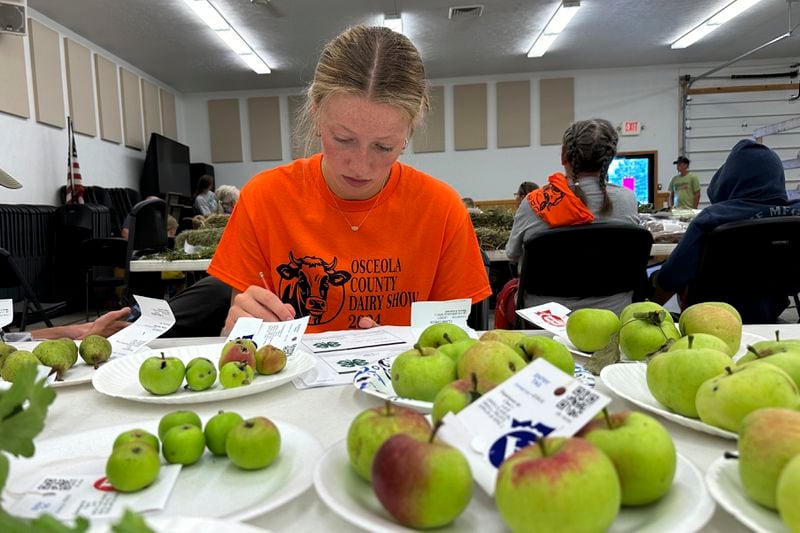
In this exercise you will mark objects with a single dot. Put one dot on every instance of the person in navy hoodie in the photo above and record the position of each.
(749, 185)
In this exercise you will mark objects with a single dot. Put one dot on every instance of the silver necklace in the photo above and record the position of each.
(356, 227)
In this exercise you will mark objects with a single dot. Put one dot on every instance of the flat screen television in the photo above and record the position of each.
(637, 171)
(166, 168)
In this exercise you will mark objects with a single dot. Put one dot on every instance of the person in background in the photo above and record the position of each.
(106, 325)
(524, 188)
(227, 196)
(469, 203)
(750, 184)
(205, 201)
(126, 224)
(344, 237)
(684, 189)
(172, 226)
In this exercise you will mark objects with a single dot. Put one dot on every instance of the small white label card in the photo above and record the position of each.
(349, 363)
(338, 341)
(283, 335)
(156, 319)
(6, 312)
(423, 314)
(551, 316)
(538, 401)
(91, 496)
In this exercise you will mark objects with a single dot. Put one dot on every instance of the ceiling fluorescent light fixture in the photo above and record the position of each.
(722, 16)
(214, 19)
(566, 10)
(393, 22)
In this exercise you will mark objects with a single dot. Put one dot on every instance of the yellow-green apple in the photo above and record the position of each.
(371, 428)
(492, 363)
(509, 338)
(770, 346)
(200, 374)
(788, 361)
(421, 372)
(544, 487)
(436, 335)
(15, 364)
(6, 349)
(236, 374)
(161, 375)
(254, 443)
(455, 350)
(786, 494)
(55, 354)
(217, 429)
(719, 320)
(536, 346)
(700, 340)
(642, 308)
(270, 360)
(725, 400)
(647, 334)
(673, 377)
(132, 466)
(591, 329)
(454, 397)
(177, 418)
(642, 452)
(422, 484)
(768, 440)
(238, 350)
(183, 444)
(95, 350)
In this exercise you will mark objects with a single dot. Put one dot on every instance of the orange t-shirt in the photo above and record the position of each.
(556, 204)
(416, 244)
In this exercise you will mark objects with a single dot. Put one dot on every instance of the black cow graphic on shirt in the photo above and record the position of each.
(306, 284)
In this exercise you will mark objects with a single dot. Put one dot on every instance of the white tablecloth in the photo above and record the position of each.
(326, 413)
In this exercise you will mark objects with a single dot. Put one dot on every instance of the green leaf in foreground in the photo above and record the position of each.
(131, 523)
(23, 409)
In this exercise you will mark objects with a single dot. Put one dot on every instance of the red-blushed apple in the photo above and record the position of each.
(421, 372)
(270, 360)
(238, 350)
(558, 485)
(768, 439)
(715, 318)
(492, 363)
(642, 452)
(371, 428)
(422, 484)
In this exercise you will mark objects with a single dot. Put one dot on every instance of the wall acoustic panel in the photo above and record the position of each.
(264, 115)
(430, 136)
(556, 108)
(80, 93)
(14, 81)
(131, 109)
(470, 116)
(48, 91)
(225, 129)
(300, 148)
(513, 114)
(169, 121)
(108, 99)
(152, 109)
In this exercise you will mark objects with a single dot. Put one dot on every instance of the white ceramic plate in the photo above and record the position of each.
(376, 380)
(79, 374)
(686, 508)
(722, 478)
(629, 380)
(186, 524)
(120, 378)
(211, 488)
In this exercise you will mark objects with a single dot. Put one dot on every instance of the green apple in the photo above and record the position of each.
(642, 452)
(642, 337)
(436, 335)
(768, 439)
(555, 353)
(183, 444)
(270, 360)
(788, 361)
(200, 374)
(371, 428)
(558, 484)
(645, 307)
(422, 484)
(454, 397)
(768, 347)
(591, 329)
(715, 318)
(236, 374)
(177, 418)
(161, 375)
(132, 466)
(95, 350)
(491, 362)
(699, 340)
(673, 377)
(72, 347)
(238, 350)
(254, 443)
(5, 350)
(16, 362)
(509, 338)
(137, 435)
(725, 400)
(421, 372)
(217, 429)
(455, 350)
(786, 494)
(55, 354)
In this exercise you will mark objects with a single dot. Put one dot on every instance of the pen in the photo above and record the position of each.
(263, 280)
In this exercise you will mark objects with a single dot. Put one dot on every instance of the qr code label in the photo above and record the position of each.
(575, 403)
(289, 349)
(54, 484)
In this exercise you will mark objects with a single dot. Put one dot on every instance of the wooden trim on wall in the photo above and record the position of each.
(745, 88)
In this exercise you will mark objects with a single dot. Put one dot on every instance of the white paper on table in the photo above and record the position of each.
(91, 496)
(155, 320)
(424, 314)
(6, 312)
(285, 336)
(351, 339)
(551, 316)
(540, 400)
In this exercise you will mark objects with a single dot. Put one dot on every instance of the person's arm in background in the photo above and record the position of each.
(526, 223)
(106, 325)
(671, 196)
(696, 189)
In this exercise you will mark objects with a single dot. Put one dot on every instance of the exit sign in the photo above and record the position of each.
(631, 127)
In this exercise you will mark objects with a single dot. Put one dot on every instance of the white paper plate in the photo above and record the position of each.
(79, 374)
(629, 380)
(722, 478)
(686, 508)
(186, 524)
(376, 380)
(571, 347)
(120, 378)
(211, 488)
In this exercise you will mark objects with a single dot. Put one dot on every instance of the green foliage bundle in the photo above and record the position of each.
(493, 226)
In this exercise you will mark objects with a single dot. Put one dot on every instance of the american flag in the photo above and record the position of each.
(74, 181)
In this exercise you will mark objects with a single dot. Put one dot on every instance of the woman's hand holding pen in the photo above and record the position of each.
(259, 302)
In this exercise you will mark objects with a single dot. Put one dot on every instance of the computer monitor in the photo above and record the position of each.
(166, 168)
(637, 171)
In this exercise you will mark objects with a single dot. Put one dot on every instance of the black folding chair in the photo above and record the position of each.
(147, 234)
(11, 276)
(100, 257)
